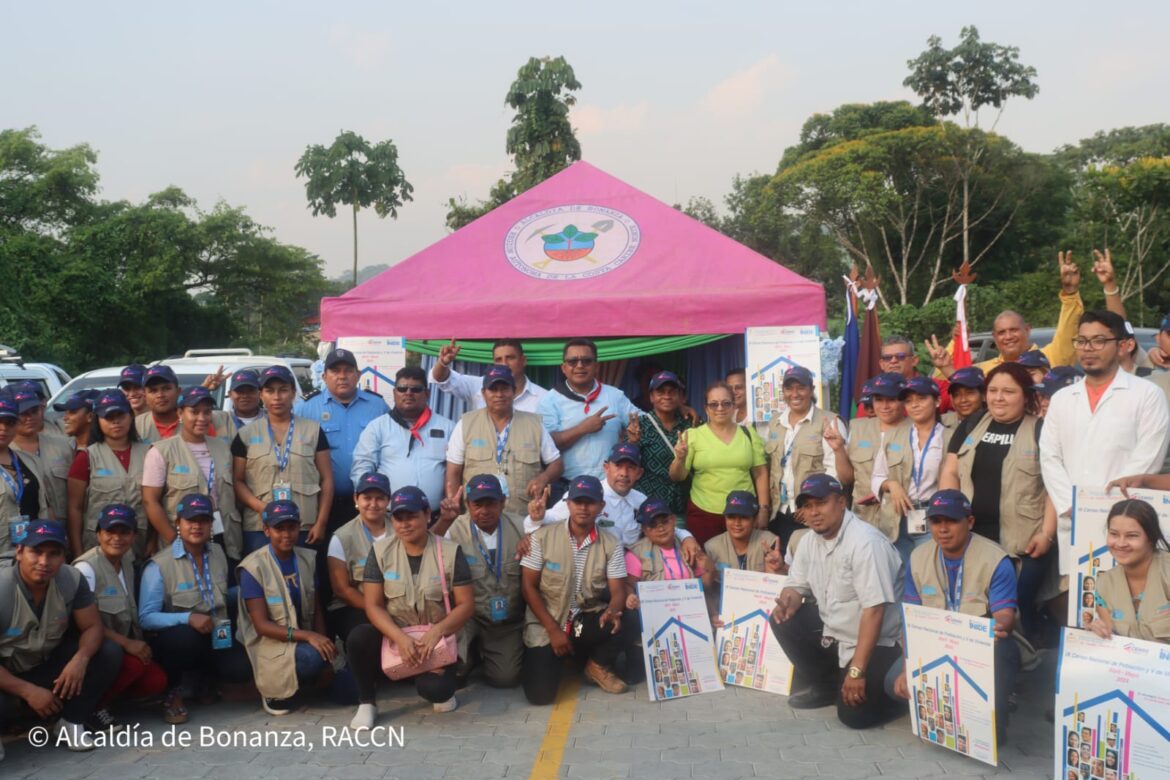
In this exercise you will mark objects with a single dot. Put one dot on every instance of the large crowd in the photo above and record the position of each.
(157, 548)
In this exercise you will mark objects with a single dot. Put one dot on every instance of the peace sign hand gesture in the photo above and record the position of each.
(448, 353)
(539, 505)
(680, 448)
(634, 430)
(1103, 268)
(1070, 273)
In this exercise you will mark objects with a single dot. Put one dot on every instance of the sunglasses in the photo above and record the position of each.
(410, 389)
(720, 404)
(580, 361)
(893, 356)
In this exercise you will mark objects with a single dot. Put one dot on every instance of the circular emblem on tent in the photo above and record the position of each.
(572, 242)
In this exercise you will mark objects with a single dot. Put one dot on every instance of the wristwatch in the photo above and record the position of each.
(856, 673)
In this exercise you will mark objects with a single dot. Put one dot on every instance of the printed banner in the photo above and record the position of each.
(1112, 708)
(770, 352)
(1090, 555)
(676, 639)
(748, 653)
(950, 671)
(378, 359)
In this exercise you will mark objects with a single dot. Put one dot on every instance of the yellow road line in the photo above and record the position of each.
(556, 734)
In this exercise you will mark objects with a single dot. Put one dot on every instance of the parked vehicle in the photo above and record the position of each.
(14, 369)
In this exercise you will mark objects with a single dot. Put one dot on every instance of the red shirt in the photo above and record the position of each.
(1094, 394)
(80, 468)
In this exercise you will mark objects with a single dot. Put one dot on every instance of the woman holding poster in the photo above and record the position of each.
(1133, 598)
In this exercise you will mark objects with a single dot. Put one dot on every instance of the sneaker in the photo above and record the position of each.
(812, 698)
(446, 706)
(276, 706)
(74, 735)
(103, 720)
(364, 717)
(604, 678)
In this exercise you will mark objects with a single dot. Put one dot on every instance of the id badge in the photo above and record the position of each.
(916, 521)
(503, 483)
(783, 495)
(221, 635)
(282, 491)
(499, 608)
(216, 523)
(18, 529)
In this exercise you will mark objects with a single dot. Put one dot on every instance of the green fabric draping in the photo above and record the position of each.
(547, 352)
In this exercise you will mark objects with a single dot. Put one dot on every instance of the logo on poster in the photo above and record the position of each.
(572, 242)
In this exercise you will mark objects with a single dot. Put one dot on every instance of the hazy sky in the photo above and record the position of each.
(220, 99)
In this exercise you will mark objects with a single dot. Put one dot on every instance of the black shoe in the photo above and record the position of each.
(812, 698)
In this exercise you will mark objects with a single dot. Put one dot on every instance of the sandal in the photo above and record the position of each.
(173, 710)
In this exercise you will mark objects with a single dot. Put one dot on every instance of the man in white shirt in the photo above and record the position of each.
(1111, 425)
(843, 643)
(506, 352)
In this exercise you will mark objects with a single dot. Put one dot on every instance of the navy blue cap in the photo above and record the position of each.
(343, 356)
(42, 531)
(372, 480)
(866, 392)
(798, 374)
(194, 506)
(741, 503)
(1057, 378)
(625, 451)
(949, 503)
(110, 402)
(818, 486)
(409, 499)
(497, 374)
(1034, 358)
(79, 400)
(195, 395)
(132, 375)
(283, 511)
(586, 487)
(277, 373)
(887, 385)
(160, 374)
(652, 508)
(922, 385)
(665, 378)
(25, 401)
(971, 376)
(29, 386)
(8, 408)
(245, 377)
(483, 486)
(117, 514)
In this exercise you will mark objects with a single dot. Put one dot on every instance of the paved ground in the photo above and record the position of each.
(588, 734)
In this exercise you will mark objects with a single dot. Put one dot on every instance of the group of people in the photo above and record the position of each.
(162, 547)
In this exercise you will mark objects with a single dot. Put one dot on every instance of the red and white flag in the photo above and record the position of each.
(962, 348)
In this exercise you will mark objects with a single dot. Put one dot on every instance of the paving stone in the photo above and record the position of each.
(724, 770)
(811, 753)
(599, 771)
(843, 770)
(658, 741)
(868, 753)
(910, 768)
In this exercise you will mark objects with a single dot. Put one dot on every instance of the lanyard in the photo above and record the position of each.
(203, 581)
(953, 599)
(282, 458)
(502, 442)
(483, 549)
(682, 573)
(211, 480)
(916, 474)
(653, 418)
(16, 485)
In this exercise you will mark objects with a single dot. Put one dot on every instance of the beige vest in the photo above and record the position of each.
(184, 477)
(274, 663)
(10, 509)
(794, 541)
(521, 463)
(979, 563)
(115, 603)
(721, 551)
(900, 458)
(356, 545)
(1152, 619)
(54, 459)
(557, 578)
(225, 427)
(29, 640)
(509, 534)
(808, 451)
(180, 591)
(865, 437)
(415, 600)
(654, 566)
(301, 472)
(1022, 495)
(109, 483)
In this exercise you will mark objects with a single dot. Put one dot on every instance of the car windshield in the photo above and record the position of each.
(111, 382)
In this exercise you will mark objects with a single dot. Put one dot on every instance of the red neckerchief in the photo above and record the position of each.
(422, 420)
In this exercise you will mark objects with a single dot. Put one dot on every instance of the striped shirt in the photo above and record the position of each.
(615, 569)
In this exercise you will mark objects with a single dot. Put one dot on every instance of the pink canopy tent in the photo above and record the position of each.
(582, 253)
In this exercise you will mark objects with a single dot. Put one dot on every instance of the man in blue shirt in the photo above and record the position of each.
(408, 445)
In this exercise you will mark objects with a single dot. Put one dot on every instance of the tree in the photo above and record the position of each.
(540, 140)
(355, 173)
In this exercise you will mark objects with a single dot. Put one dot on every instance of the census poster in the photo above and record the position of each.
(950, 671)
(770, 352)
(1090, 555)
(378, 360)
(1112, 708)
(749, 655)
(676, 639)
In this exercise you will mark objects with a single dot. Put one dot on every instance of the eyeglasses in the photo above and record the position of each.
(656, 522)
(1093, 344)
(580, 361)
(720, 404)
(410, 389)
(895, 357)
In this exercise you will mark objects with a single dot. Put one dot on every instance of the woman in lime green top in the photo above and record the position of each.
(723, 457)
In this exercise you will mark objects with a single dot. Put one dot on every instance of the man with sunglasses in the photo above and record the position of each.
(408, 444)
(898, 356)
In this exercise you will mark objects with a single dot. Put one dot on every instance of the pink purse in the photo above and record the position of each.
(445, 652)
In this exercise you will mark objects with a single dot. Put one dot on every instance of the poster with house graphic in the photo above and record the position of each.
(748, 654)
(378, 360)
(950, 671)
(770, 352)
(676, 640)
(1089, 553)
(1112, 708)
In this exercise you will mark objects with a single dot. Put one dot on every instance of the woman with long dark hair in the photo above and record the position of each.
(1132, 597)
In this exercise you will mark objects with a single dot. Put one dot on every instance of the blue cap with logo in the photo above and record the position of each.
(195, 395)
(919, 384)
(195, 506)
(866, 392)
(497, 374)
(586, 487)
(111, 402)
(372, 480)
(80, 400)
(949, 503)
(245, 377)
(483, 486)
(25, 401)
(625, 452)
(28, 386)
(409, 499)
(887, 385)
(665, 378)
(43, 532)
(970, 376)
(277, 373)
(117, 514)
(741, 503)
(340, 356)
(818, 486)
(652, 508)
(282, 511)
(1057, 378)
(159, 374)
(132, 375)
(798, 374)
(1034, 358)
(8, 408)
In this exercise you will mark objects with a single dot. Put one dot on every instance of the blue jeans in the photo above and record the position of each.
(310, 667)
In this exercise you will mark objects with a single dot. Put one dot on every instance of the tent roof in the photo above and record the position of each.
(582, 253)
